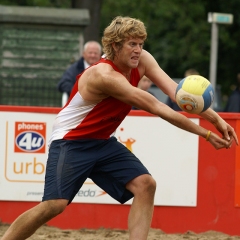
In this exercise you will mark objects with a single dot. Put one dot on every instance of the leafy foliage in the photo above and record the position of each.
(179, 35)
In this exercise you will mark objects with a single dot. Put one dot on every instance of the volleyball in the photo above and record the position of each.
(194, 94)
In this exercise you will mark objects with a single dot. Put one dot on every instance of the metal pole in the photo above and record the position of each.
(214, 53)
(215, 18)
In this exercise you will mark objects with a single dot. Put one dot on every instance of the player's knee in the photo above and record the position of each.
(143, 184)
(149, 185)
(57, 206)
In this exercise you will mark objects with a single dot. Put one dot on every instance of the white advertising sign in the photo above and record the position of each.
(169, 153)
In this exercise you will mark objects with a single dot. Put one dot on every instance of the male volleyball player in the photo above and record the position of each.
(83, 144)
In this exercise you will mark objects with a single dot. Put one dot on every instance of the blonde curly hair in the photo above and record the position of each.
(120, 29)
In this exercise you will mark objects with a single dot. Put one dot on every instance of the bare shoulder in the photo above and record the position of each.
(146, 62)
(145, 55)
(103, 75)
(95, 80)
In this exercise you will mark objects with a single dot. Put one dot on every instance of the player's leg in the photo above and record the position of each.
(27, 223)
(140, 217)
(67, 168)
(120, 173)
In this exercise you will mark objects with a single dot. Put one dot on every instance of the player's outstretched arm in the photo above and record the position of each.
(184, 123)
(222, 126)
(110, 83)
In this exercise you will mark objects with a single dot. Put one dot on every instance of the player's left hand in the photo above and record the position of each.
(227, 131)
(219, 142)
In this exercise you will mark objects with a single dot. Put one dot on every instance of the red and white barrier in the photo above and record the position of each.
(198, 187)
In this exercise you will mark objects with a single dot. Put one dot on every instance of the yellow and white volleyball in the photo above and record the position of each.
(194, 94)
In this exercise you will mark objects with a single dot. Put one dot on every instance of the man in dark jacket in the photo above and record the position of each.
(92, 51)
(233, 104)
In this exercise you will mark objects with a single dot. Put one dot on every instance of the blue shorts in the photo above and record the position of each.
(108, 163)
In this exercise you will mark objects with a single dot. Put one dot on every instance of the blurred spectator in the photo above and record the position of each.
(191, 71)
(233, 103)
(144, 84)
(173, 104)
(92, 51)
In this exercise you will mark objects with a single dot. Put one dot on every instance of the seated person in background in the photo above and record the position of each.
(144, 84)
(233, 103)
(173, 104)
(92, 51)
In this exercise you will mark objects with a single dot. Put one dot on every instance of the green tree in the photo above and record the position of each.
(94, 6)
(179, 34)
(176, 34)
(229, 48)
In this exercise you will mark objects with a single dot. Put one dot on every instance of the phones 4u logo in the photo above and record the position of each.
(30, 137)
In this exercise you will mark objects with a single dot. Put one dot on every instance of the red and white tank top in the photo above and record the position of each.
(80, 119)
